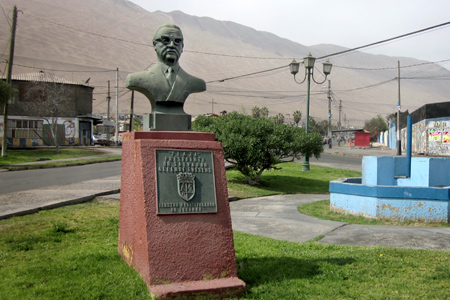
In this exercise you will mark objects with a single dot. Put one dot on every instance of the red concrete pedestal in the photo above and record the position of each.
(189, 254)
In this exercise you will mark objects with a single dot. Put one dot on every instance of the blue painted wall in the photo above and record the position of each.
(385, 192)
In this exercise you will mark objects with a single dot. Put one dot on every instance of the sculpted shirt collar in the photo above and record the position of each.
(164, 67)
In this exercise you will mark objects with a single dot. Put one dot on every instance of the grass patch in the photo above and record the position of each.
(321, 210)
(17, 156)
(67, 253)
(65, 163)
(286, 270)
(288, 178)
(71, 253)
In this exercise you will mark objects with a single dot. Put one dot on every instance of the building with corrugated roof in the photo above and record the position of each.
(42, 99)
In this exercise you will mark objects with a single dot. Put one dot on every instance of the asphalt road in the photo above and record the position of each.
(33, 179)
(16, 181)
(338, 161)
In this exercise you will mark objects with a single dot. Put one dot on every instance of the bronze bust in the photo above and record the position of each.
(166, 84)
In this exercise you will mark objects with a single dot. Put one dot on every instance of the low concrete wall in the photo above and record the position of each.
(391, 202)
(385, 192)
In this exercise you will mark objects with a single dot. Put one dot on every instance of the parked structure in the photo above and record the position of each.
(355, 137)
(31, 113)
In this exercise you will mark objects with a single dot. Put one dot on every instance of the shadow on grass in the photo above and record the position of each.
(258, 271)
(293, 185)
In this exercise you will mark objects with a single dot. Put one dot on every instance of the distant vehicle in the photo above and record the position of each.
(99, 140)
(119, 140)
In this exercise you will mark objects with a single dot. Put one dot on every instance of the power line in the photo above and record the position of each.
(391, 68)
(91, 33)
(369, 86)
(253, 57)
(234, 56)
(6, 16)
(151, 45)
(250, 74)
(429, 77)
(68, 71)
(351, 50)
(386, 40)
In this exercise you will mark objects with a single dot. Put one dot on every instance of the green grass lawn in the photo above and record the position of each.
(288, 178)
(16, 156)
(321, 210)
(71, 253)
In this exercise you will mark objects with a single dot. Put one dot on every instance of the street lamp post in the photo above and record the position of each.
(308, 63)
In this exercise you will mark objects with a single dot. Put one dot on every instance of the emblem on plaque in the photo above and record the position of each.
(186, 185)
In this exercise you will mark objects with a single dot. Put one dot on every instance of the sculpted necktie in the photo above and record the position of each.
(170, 76)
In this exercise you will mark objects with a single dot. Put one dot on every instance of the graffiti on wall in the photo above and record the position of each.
(419, 138)
(70, 131)
(438, 132)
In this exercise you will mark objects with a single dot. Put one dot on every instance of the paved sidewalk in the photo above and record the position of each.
(105, 152)
(32, 201)
(345, 150)
(275, 216)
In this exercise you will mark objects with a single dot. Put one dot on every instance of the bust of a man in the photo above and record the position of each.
(166, 84)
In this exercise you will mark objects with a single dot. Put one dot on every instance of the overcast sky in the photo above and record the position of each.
(347, 23)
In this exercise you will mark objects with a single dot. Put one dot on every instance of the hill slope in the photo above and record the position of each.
(81, 39)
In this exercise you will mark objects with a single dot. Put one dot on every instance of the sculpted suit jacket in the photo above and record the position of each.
(155, 86)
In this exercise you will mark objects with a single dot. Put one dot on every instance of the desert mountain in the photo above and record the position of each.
(83, 39)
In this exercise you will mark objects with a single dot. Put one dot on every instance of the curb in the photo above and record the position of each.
(55, 204)
(12, 168)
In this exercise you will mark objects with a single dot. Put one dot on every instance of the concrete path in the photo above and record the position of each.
(275, 216)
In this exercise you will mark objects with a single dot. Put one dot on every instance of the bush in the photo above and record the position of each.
(254, 145)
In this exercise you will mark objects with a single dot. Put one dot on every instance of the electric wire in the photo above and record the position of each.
(285, 66)
(386, 40)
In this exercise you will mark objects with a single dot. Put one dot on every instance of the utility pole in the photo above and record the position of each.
(108, 99)
(117, 108)
(8, 80)
(132, 111)
(330, 137)
(339, 123)
(399, 107)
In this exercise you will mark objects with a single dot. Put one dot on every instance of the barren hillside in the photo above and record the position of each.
(81, 39)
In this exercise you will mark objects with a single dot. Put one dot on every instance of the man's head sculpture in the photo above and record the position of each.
(168, 43)
(166, 84)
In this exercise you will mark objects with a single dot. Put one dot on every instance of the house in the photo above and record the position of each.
(42, 99)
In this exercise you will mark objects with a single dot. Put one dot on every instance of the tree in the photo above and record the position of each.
(278, 119)
(375, 127)
(297, 117)
(48, 99)
(6, 91)
(322, 127)
(256, 112)
(312, 125)
(264, 112)
(300, 143)
(254, 145)
(137, 124)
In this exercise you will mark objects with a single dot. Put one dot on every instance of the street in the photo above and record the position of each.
(16, 181)
(338, 161)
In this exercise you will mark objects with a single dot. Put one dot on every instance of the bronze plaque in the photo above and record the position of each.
(185, 182)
